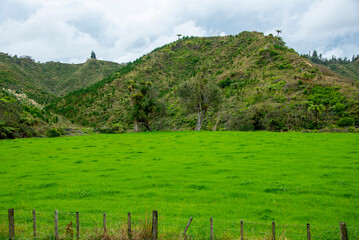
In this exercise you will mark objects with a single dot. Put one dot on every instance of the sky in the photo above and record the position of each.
(122, 31)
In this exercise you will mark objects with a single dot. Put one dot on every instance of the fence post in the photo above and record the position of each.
(56, 225)
(11, 213)
(273, 230)
(309, 237)
(104, 223)
(77, 225)
(211, 220)
(343, 231)
(34, 223)
(187, 226)
(242, 235)
(154, 225)
(129, 232)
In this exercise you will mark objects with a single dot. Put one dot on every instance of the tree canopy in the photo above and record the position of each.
(200, 94)
(93, 55)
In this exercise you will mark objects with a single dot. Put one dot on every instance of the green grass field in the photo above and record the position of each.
(260, 177)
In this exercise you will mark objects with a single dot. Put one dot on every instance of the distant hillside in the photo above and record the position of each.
(23, 117)
(346, 67)
(243, 82)
(350, 70)
(44, 81)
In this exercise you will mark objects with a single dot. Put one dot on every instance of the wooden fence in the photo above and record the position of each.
(343, 233)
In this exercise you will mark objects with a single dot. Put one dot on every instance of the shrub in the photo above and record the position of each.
(339, 108)
(346, 122)
(224, 83)
(53, 132)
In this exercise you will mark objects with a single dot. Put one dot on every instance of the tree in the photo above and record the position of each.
(316, 109)
(93, 55)
(315, 54)
(199, 95)
(278, 32)
(143, 103)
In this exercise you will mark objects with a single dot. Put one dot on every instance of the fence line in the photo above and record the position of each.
(131, 225)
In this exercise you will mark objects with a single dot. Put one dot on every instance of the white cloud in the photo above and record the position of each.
(68, 30)
(327, 23)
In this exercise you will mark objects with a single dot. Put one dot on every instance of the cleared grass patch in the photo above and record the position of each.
(260, 177)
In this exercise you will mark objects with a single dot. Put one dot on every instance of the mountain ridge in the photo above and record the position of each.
(46, 81)
(261, 80)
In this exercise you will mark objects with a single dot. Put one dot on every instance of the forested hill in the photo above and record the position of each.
(244, 82)
(45, 81)
(345, 67)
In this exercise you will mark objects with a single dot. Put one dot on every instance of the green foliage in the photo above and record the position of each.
(346, 122)
(143, 103)
(44, 82)
(267, 55)
(93, 55)
(257, 78)
(284, 66)
(224, 83)
(199, 95)
(6, 131)
(346, 67)
(21, 119)
(328, 96)
(54, 132)
(339, 108)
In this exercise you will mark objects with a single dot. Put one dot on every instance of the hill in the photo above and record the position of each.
(346, 67)
(21, 117)
(349, 70)
(245, 82)
(45, 81)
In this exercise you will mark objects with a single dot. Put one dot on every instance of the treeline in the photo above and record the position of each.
(321, 60)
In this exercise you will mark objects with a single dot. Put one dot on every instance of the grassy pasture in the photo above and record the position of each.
(291, 178)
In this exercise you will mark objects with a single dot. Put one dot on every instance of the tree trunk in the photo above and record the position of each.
(199, 121)
(217, 121)
(135, 126)
(147, 125)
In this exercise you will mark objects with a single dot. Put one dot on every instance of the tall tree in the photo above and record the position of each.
(200, 94)
(143, 104)
(93, 55)
(278, 32)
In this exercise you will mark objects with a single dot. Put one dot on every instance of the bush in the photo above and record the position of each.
(6, 131)
(224, 83)
(53, 132)
(346, 122)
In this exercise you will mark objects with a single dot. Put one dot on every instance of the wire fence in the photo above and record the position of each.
(140, 226)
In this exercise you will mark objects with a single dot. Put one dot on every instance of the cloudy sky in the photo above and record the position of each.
(119, 30)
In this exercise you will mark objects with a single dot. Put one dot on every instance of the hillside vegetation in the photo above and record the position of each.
(244, 82)
(21, 117)
(44, 81)
(346, 67)
(26, 87)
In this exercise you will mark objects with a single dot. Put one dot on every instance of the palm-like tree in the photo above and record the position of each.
(279, 31)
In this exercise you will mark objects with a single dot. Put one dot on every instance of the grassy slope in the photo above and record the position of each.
(350, 70)
(44, 81)
(265, 79)
(292, 178)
